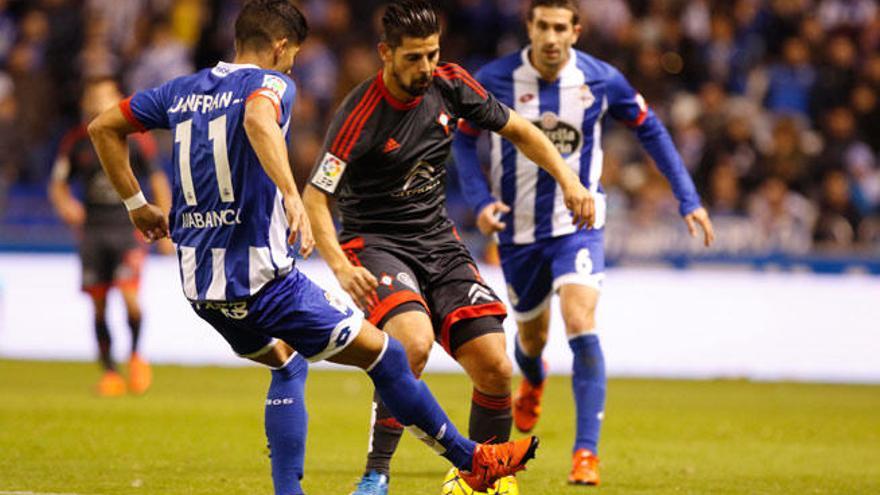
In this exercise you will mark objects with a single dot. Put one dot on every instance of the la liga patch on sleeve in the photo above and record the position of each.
(329, 173)
(275, 84)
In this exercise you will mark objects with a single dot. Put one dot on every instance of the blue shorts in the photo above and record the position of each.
(535, 271)
(316, 323)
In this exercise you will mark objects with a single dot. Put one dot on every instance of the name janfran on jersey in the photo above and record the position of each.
(208, 103)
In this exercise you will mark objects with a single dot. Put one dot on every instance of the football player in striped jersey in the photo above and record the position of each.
(566, 93)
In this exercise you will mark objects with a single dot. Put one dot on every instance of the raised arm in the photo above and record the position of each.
(628, 106)
(540, 150)
(356, 280)
(658, 143)
(267, 140)
(109, 132)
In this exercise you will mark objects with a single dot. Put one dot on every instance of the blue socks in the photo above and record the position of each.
(286, 425)
(532, 367)
(410, 401)
(588, 385)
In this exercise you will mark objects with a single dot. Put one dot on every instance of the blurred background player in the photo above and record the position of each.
(235, 215)
(110, 250)
(400, 256)
(566, 93)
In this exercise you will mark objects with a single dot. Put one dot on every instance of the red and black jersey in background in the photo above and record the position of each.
(78, 161)
(385, 160)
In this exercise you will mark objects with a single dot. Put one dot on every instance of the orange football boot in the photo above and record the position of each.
(492, 462)
(527, 405)
(584, 468)
(140, 376)
(111, 384)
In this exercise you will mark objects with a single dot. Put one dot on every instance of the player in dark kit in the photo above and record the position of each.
(110, 251)
(398, 254)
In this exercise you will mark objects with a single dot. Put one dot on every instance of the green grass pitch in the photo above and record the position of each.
(200, 431)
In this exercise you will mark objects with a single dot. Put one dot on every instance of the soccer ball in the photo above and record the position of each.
(454, 485)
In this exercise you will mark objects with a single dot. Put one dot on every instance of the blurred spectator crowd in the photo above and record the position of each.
(772, 103)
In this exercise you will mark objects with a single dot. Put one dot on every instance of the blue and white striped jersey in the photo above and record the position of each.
(227, 217)
(570, 111)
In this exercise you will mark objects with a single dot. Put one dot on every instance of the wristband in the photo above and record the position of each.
(135, 201)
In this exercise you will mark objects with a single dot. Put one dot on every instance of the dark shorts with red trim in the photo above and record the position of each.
(434, 274)
(110, 257)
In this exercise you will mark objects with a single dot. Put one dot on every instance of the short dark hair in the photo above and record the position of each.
(571, 5)
(412, 18)
(260, 22)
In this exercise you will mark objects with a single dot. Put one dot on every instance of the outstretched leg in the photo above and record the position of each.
(384, 360)
(413, 330)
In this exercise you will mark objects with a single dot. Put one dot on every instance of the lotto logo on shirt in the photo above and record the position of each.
(275, 84)
(329, 173)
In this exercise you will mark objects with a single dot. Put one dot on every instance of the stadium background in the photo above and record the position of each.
(774, 106)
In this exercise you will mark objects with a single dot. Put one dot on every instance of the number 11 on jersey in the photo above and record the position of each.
(217, 135)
